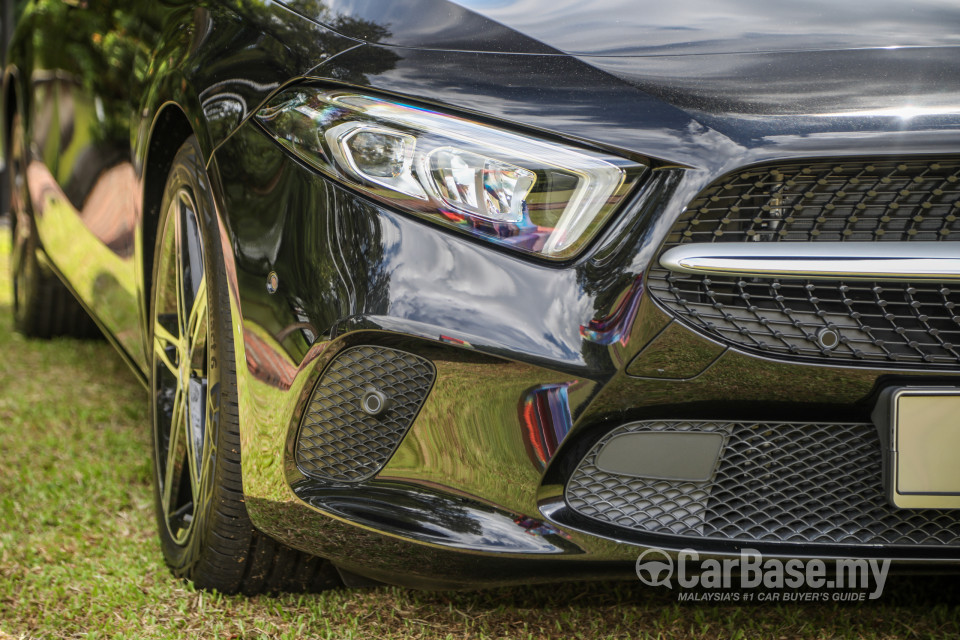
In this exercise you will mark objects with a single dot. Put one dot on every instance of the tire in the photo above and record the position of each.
(42, 306)
(205, 532)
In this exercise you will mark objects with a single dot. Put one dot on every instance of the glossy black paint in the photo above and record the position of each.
(626, 28)
(432, 517)
(697, 89)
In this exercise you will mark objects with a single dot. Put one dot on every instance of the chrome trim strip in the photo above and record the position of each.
(914, 261)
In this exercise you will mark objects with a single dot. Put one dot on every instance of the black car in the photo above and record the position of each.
(473, 293)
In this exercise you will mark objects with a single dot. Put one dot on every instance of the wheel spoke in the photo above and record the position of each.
(195, 376)
(176, 444)
(163, 340)
(163, 357)
(160, 333)
(190, 432)
(179, 257)
(196, 323)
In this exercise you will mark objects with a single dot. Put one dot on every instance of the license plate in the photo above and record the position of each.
(923, 456)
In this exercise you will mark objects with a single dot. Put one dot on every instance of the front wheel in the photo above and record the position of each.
(204, 528)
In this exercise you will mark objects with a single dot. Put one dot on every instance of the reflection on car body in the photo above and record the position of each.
(464, 293)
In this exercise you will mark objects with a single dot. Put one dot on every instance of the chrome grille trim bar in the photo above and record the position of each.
(877, 261)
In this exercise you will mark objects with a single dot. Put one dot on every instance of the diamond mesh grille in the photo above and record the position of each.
(338, 441)
(775, 482)
(909, 323)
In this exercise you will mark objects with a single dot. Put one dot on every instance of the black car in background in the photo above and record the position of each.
(468, 293)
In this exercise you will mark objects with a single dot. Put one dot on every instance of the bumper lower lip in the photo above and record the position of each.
(875, 261)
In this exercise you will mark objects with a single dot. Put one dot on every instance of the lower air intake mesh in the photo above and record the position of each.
(338, 440)
(775, 482)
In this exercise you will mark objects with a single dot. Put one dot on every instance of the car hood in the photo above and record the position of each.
(677, 81)
(636, 28)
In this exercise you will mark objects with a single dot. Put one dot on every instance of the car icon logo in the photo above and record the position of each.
(655, 568)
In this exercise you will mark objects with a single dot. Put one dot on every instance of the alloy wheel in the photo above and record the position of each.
(181, 367)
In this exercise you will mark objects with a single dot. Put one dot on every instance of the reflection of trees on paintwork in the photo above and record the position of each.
(106, 57)
(342, 32)
(107, 46)
(326, 245)
(101, 46)
(329, 244)
(357, 28)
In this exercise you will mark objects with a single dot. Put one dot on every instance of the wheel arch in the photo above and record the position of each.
(10, 107)
(174, 120)
(170, 128)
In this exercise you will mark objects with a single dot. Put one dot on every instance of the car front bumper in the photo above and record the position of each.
(474, 493)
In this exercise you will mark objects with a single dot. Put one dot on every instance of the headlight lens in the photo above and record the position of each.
(537, 196)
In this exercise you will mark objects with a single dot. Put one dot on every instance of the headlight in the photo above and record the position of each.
(536, 196)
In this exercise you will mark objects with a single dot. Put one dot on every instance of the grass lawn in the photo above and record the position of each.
(79, 559)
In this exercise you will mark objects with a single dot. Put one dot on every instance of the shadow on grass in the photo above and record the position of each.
(900, 590)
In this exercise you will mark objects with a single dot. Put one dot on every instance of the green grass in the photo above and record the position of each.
(79, 558)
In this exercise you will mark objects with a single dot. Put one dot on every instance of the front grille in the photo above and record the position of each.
(876, 322)
(338, 440)
(775, 482)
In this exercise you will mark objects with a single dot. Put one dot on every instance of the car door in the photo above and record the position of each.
(83, 186)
